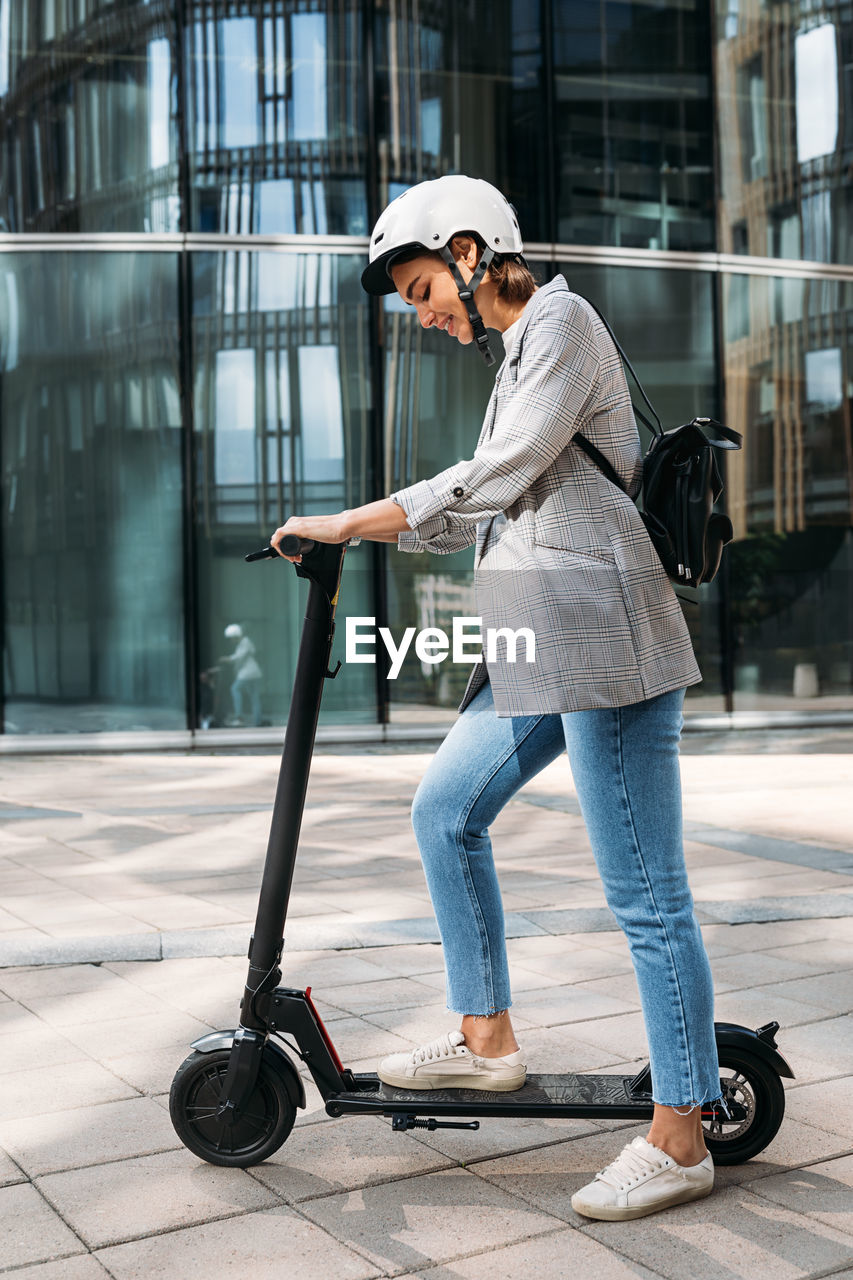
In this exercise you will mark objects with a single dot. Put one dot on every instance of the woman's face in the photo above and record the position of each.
(426, 283)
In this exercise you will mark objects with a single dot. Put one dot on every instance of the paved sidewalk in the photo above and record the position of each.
(127, 893)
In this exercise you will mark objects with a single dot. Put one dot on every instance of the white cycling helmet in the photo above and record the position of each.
(428, 216)
(233, 631)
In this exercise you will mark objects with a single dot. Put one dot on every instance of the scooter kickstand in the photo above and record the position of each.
(402, 1121)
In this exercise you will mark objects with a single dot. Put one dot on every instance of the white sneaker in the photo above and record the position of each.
(446, 1063)
(642, 1180)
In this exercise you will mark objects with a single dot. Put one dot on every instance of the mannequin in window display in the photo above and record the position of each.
(247, 676)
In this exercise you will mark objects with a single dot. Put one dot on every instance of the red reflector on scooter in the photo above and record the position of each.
(323, 1032)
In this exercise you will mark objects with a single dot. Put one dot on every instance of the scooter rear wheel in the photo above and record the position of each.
(758, 1089)
(257, 1131)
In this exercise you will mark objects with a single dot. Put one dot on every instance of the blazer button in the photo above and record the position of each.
(457, 493)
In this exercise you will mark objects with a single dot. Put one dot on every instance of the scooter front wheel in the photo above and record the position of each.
(254, 1134)
(756, 1088)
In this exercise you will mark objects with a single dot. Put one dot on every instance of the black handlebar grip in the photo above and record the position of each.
(291, 545)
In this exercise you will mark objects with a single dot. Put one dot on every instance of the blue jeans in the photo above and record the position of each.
(252, 688)
(625, 766)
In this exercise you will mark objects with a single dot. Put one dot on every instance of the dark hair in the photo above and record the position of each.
(514, 280)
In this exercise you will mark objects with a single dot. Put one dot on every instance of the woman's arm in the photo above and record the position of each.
(379, 521)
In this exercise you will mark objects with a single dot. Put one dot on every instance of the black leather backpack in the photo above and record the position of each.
(681, 483)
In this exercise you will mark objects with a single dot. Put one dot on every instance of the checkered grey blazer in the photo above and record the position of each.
(559, 549)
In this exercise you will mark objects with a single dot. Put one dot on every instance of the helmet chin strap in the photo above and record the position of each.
(466, 293)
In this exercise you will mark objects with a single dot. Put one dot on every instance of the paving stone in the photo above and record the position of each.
(752, 1008)
(88, 1135)
(823, 1191)
(263, 1245)
(520, 980)
(37, 1045)
(9, 1171)
(159, 977)
(118, 1036)
(357, 1151)
(110, 1203)
(554, 1050)
(149, 1071)
(388, 993)
(621, 985)
(80, 1267)
(58, 980)
(569, 1004)
(622, 1036)
(48, 1089)
(497, 1137)
(326, 972)
(833, 991)
(820, 1049)
(416, 1026)
(362, 1038)
(767, 935)
(819, 956)
(825, 1105)
(731, 1233)
(578, 965)
(402, 1225)
(117, 1000)
(30, 1230)
(16, 1020)
(795, 1144)
(739, 973)
(547, 1177)
(562, 1255)
(408, 959)
(522, 950)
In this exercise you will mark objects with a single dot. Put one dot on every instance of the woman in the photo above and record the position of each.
(561, 549)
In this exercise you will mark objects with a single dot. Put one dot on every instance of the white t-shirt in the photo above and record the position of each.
(508, 335)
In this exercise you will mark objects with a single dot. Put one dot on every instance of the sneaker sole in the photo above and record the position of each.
(503, 1084)
(620, 1213)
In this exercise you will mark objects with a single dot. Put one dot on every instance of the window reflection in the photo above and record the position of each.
(91, 493)
(634, 141)
(790, 493)
(281, 424)
(277, 122)
(88, 132)
(780, 116)
(462, 91)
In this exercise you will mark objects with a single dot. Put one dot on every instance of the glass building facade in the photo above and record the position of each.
(187, 357)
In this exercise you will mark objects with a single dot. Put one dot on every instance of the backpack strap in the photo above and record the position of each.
(598, 458)
(658, 430)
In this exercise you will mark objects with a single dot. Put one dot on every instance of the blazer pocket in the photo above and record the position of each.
(557, 542)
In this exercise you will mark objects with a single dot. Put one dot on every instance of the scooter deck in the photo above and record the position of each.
(563, 1095)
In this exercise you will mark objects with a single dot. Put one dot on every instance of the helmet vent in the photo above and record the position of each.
(381, 236)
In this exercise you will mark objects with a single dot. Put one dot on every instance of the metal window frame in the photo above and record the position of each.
(592, 255)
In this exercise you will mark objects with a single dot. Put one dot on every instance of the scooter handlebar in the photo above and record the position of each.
(291, 545)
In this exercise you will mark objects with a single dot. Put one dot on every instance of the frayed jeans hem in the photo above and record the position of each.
(679, 1107)
(493, 1013)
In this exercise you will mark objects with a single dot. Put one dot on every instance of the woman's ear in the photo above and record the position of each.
(465, 249)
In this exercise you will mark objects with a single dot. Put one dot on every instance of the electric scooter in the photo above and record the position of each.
(234, 1100)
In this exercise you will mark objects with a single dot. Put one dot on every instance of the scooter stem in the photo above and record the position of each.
(322, 567)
